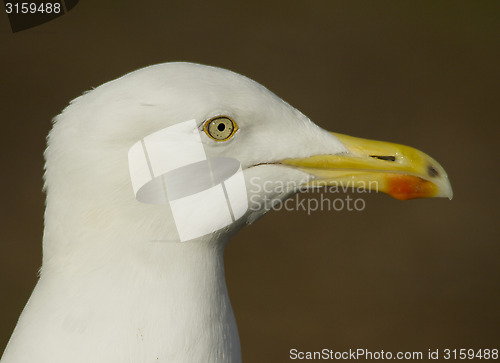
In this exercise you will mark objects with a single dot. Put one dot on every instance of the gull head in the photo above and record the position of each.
(181, 152)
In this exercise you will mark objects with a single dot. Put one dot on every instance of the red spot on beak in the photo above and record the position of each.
(404, 187)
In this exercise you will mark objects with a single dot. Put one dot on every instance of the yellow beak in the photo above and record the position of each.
(398, 170)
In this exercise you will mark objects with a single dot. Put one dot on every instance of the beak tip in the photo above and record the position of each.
(445, 189)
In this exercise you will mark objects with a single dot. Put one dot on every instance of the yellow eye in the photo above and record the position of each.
(220, 128)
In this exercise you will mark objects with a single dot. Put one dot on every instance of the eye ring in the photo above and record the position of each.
(220, 128)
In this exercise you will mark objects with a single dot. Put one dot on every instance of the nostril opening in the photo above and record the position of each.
(384, 157)
(432, 171)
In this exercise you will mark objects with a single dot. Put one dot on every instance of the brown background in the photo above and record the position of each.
(400, 275)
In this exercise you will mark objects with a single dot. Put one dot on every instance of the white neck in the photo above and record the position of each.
(132, 310)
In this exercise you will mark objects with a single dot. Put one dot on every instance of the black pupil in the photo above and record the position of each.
(221, 127)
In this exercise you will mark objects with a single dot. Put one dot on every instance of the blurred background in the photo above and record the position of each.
(416, 275)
